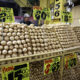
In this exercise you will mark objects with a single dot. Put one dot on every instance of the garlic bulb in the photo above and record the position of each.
(3, 42)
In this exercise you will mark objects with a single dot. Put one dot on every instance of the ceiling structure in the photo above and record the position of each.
(76, 2)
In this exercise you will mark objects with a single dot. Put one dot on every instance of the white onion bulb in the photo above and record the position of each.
(23, 41)
(6, 47)
(16, 46)
(11, 47)
(20, 46)
(18, 34)
(9, 43)
(1, 29)
(6, 38)
(9, 34)
(3, 42)
(11, 38)
(6, 30)
(10, 30)
(14, 42)
(10, 52)
(1, 47)
(13, 34)
(24, 49)
(18, 41)
(25, 45)
(14, 50)
(4, 52)
(19, 50)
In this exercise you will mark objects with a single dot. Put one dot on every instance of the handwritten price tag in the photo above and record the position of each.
(17, 72)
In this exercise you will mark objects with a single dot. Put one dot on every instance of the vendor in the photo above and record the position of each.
(26, 19)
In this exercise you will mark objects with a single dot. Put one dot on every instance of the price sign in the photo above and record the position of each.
(56, 64)
(37, 12)
(41, 14)
(16, 72)
(47, 66)
(57, 10)
(51, 65)
(6, 15)
(45, 15)
(70, 60)
(66, 17)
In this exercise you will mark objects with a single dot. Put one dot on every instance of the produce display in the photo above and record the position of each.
(17, 40)
(22, 40)
(72, 74)
(43, 40)
(36, 72)
(77, 31)
(66, 36)
(14, 41)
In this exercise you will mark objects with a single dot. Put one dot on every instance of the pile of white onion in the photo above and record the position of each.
(14, 41)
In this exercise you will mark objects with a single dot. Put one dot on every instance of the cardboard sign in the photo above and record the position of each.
(56, 64)
(6, 15)
(70, 60)
(66, 17)
(57, 9)
(37, 12)
(16, 72)
(51, 65)
(45, 15)
(47, 66)
(41, 14)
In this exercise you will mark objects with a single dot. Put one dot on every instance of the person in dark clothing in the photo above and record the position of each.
(26, 19)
